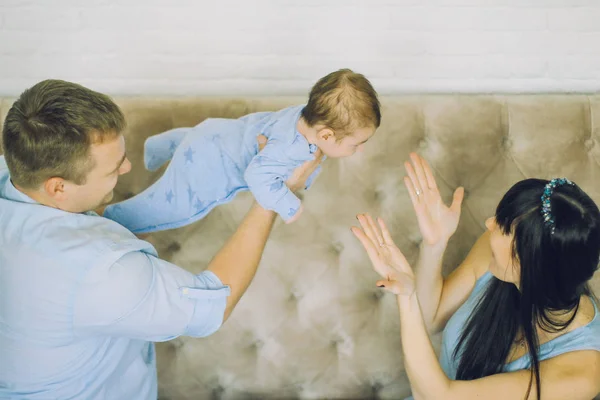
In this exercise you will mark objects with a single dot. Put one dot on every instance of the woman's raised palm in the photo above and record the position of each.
(437, 221)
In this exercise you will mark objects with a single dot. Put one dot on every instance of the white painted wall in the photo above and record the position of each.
(271, 47)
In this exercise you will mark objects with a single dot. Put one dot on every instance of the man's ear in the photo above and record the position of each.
(55, 188)
(326, 134)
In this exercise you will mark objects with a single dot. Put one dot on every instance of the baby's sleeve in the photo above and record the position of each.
(266, 175)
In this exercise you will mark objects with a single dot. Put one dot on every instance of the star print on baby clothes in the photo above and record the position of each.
(275, 186)
(189, 155)
(191, 193)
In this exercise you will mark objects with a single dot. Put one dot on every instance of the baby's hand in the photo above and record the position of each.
(296, 216)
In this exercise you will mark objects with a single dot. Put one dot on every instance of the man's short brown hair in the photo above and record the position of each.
(49, 130)
(343, 101)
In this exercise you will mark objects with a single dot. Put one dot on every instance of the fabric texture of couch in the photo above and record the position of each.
(313, 324)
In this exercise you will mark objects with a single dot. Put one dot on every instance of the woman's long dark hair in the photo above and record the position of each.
(555, 270)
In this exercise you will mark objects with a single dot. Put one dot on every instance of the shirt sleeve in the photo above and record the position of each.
(143, 297)
(265, 177)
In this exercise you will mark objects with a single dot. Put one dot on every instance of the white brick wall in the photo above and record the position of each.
(237, 47)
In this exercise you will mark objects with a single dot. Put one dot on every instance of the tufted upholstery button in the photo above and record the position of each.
(173, 247)
(337, 247)
(293, 297)
(506, 143)
(376, 387)
(589, 144)
(415, 239)
(176, 345)
(257, 345)
(217, 392)
(335, 343)
(377, 196)
(343, 345)
(378, 294)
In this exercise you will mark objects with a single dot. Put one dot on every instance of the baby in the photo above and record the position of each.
(213, 161)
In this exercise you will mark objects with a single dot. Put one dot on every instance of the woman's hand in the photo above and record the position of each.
(436, 221)
(387, 259)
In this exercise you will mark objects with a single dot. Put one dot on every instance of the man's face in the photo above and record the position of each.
(110, 161)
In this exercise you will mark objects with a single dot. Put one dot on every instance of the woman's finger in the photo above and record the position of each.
(429, 174)
(390, 286)
(395, 287)
(419, 170)
(413, 178)
(376, 230)
(457, 199)
(411, 191)
(385, 232)
(377, 263)
(368, 245)
(368, 229)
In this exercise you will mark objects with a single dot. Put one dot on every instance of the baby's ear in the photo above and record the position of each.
(326, 134)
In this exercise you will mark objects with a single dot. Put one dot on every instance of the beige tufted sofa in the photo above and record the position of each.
(313, 324)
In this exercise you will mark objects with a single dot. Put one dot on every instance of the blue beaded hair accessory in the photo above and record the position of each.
(546, 210)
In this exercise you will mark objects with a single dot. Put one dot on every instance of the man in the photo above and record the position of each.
(81, 298)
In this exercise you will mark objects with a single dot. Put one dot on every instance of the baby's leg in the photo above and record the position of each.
(159, 149)
(198, 179)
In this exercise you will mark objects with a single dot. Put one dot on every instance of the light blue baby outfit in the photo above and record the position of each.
(584, 338)
(81, 301)
(211, 163)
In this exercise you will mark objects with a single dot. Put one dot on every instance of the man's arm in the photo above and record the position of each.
(143, 297)
(236, 263)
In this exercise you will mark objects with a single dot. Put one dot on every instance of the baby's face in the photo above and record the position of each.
(349, 145)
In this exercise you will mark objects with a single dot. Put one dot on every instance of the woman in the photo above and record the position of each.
(531, 329)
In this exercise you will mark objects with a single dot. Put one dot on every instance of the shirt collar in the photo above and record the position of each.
(12, 193)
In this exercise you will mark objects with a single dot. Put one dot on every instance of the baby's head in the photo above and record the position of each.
(343, 109)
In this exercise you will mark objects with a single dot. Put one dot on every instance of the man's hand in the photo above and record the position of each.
(301, 174)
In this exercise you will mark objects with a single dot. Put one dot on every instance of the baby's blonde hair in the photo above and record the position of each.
(343, 101)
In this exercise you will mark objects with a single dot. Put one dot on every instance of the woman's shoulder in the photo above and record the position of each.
(590, 317)
(584, 334)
